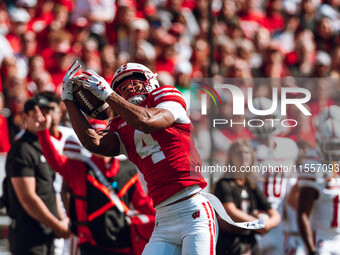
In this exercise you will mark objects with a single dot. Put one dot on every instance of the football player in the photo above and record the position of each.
(318, 205)
(275, 153)
(153, 130)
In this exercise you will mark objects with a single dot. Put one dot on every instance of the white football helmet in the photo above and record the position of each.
(269, 128)
(328, 141)
(137, 72)
(74, 150)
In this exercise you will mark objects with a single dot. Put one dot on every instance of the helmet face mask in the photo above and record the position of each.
(141, 79)
(131, 88)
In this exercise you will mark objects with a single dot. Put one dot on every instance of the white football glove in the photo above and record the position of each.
(67, 92)
(97, 85)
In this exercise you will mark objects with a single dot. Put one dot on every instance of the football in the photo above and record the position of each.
(89, 103)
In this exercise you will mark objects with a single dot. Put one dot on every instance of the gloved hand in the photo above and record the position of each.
(97, 85)
(67, 92)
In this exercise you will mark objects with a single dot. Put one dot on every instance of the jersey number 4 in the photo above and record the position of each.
(146, 145)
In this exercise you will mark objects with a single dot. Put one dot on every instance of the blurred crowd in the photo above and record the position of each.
(178, 39)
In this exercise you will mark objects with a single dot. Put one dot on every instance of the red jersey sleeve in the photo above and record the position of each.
(54, 159)
(141, 201)
(4, 136)
(164, 94)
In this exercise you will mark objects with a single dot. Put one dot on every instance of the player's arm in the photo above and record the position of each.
(147, 120)
(103, 143)
(306, 201)
(24, 188)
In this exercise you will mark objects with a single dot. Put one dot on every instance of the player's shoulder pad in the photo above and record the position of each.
(166, 93)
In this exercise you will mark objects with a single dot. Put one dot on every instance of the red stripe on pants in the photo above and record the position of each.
(210, 230)
(213, 217)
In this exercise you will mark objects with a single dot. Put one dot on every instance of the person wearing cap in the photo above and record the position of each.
(28, 189)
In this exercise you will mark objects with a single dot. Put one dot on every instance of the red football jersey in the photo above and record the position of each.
(167, 158)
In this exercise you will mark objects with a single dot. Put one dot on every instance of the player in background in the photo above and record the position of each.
(153, 130)
(273, 152)
(318, 206)
(156, 138)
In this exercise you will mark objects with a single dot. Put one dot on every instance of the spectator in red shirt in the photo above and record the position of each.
(250, 19)
(19, 18)
(274, 18)
(80, 31)
(57, 25)
(166, 55)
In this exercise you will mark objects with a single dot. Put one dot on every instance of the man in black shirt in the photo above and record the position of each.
(31, 199)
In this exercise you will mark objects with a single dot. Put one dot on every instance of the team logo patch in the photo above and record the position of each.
(196, 215)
